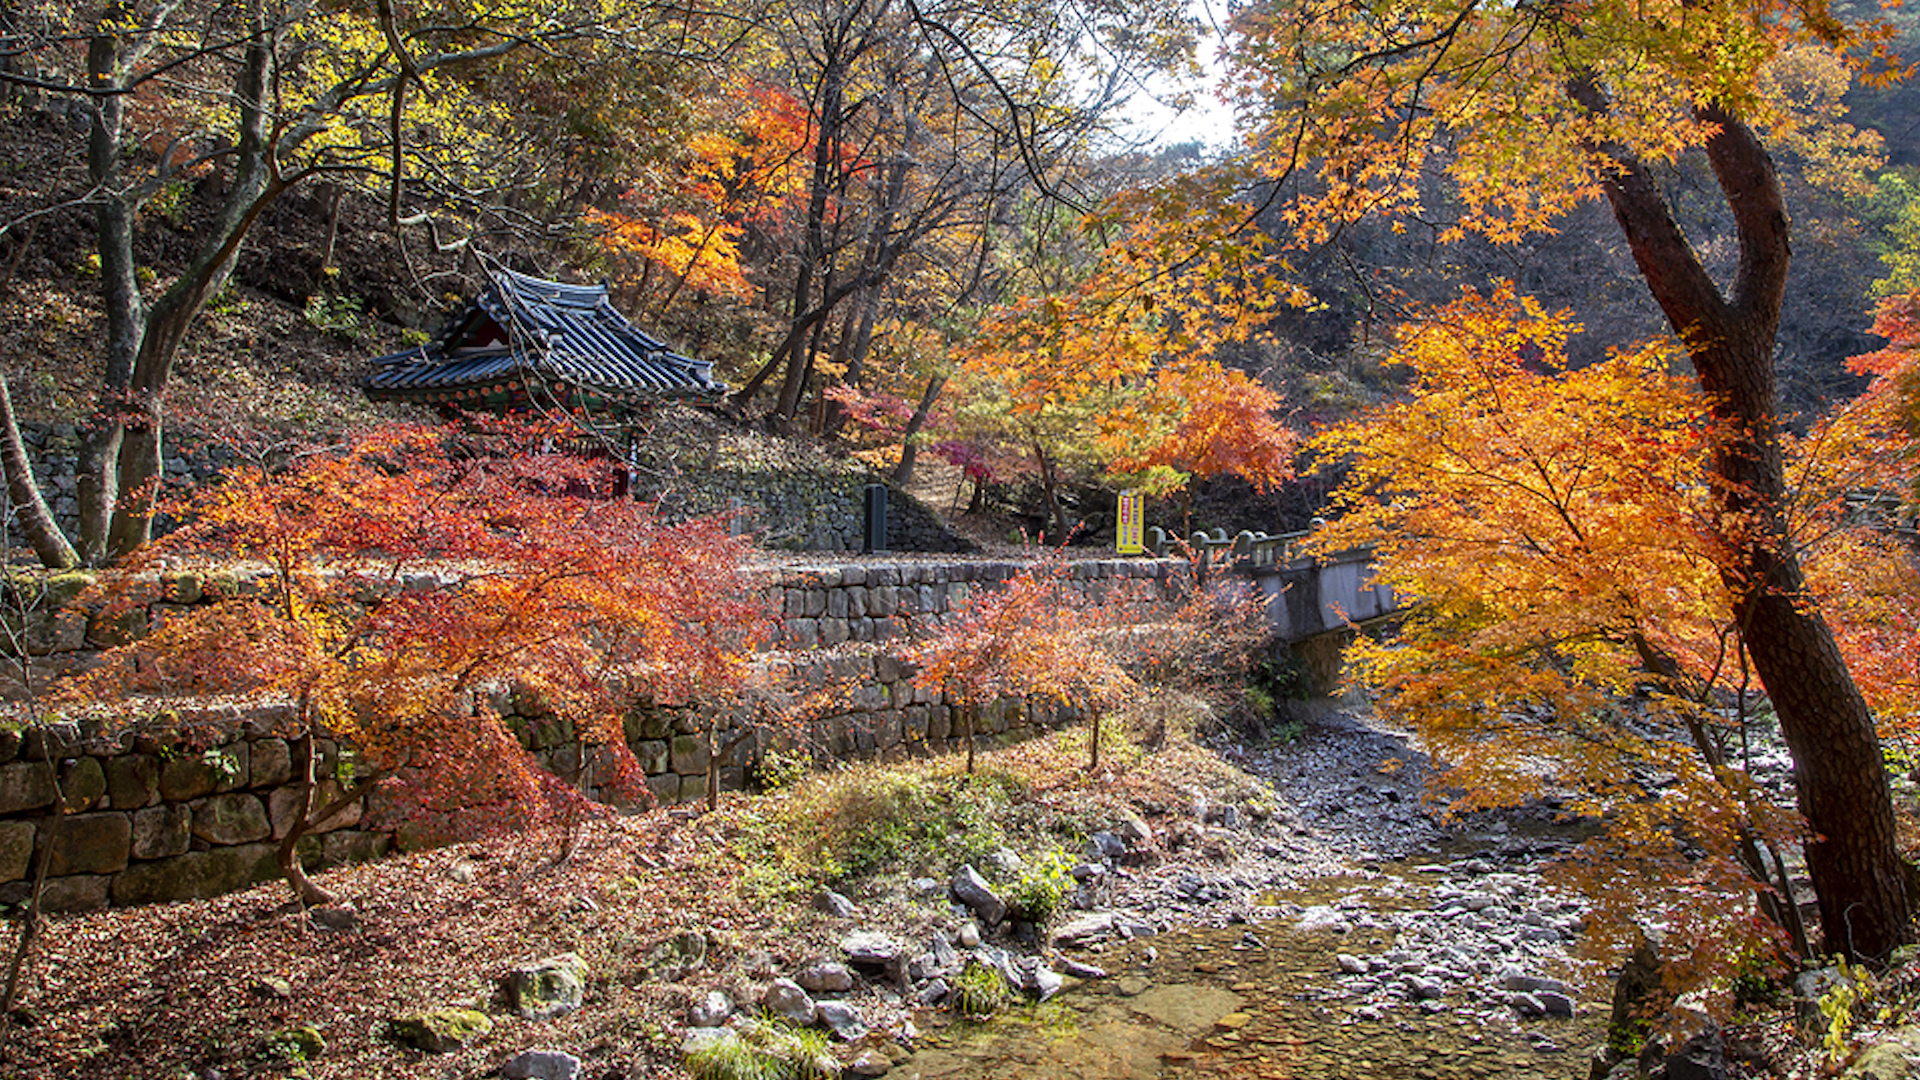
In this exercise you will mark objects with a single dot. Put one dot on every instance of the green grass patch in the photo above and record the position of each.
(765, 1050)
(980, 990)
(869, 821)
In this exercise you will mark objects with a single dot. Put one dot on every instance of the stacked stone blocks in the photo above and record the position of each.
(196, 808)
(146, 821)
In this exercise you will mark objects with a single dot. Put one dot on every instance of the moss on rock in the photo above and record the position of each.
(439, 1031)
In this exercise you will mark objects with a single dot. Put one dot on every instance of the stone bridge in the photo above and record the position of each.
(1313, 604)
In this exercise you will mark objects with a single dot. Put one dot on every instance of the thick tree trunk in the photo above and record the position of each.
(97, 476)
(254, 186)
(1840, 774)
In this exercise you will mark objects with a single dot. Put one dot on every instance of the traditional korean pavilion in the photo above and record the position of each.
(525, 340)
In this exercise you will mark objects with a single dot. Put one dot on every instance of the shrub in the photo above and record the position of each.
(1043, 887)
(660, 612)
(779, 768)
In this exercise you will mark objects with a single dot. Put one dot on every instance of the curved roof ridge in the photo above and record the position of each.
(546, 290)
(568, 333)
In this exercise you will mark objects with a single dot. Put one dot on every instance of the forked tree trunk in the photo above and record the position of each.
(119, 464)
(1839, 773)
(97, 471)
(309, 814)
(254, 186)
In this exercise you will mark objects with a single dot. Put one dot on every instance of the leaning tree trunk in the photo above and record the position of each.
(1839, 772)
(26, 506)
(910, 438)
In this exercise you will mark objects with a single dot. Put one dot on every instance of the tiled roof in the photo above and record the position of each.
(562, 333)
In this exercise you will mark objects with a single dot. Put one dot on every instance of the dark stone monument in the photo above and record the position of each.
(875, 536)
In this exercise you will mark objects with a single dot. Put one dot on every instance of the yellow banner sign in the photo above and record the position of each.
(1130, 528)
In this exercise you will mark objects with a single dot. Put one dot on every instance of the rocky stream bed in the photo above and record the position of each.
(1329, 928)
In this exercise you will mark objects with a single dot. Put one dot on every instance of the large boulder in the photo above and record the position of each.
(161, 832)
(711, 1010)
(784, 998)
(542, 1065)
(236, 818)
(870, 950)
(828, 902)
(92, 844)
(676, 957)
(25, 786)
(1704, 1057)
(16, 849)
(83, 783)
(842, 1019)
(1890, 1059)
(824, 977)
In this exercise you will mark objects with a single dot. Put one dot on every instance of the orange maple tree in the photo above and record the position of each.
(1117, 372)
(738, 173)
(1556, 535)
(1199, 420)
(390, 584)
(1858, 477)
(1497, 120)
(1560, 537)
(1023, 641)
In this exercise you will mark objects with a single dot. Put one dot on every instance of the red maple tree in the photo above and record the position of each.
(384, 587)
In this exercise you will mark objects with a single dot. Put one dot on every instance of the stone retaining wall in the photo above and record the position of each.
(149, 821)
(881, 602)
(191, 817)
(821, 510)
(54, 450)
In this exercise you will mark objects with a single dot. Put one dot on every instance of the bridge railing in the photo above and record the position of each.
(1244, 550)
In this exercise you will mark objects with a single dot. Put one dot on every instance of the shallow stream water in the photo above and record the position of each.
(1260, 1000)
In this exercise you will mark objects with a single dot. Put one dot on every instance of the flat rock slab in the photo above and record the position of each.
(870, 949)
(1185, 1007)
